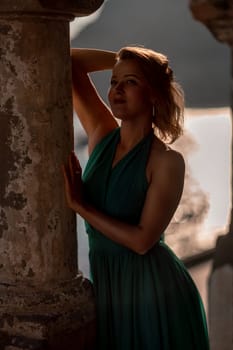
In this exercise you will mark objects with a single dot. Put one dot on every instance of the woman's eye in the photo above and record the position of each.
(113, 82)
(131, 82)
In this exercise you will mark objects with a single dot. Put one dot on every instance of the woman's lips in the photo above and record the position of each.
(118, 101)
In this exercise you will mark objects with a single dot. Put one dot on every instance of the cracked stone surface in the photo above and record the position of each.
(44, 302)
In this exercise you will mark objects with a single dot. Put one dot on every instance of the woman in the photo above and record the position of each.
(128, 194)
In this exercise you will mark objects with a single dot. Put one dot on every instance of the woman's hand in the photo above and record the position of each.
(72, 173)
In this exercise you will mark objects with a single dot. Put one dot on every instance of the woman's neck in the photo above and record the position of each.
(131, 134)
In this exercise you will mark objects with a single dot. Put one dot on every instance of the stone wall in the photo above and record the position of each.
(45, 303)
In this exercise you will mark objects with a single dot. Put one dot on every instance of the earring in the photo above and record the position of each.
(153, 110)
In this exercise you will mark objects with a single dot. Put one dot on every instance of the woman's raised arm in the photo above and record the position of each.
(94, 114)
(92, 60)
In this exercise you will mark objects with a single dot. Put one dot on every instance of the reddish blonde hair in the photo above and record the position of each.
(169, 103)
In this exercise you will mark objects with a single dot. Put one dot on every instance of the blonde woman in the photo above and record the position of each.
(127, 195)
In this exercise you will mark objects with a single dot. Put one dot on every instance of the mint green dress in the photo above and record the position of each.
(144, 302)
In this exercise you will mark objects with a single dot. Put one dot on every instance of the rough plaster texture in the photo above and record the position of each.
(217, 15)
(221, 308)
(61, 317)
(44, 304)
(221, 295)
(65, 7)
(37, 230)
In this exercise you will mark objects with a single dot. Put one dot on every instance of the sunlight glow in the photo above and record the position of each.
(210, 162)
(80, 23)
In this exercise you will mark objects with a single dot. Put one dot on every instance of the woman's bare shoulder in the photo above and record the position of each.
(164, 160)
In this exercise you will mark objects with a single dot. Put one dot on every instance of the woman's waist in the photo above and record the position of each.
(101, 244)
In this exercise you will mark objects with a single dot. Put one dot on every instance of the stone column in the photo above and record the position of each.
(44, 302)
(217, 15)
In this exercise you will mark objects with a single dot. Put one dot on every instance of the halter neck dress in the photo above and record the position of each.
(144, 302)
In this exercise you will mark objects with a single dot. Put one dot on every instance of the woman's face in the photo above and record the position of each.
(130, 94)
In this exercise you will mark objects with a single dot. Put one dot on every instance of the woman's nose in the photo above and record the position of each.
(119, 86)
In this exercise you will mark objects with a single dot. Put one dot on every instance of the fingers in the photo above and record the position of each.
(64, 172)
(75, 169)
(67, 185)
(67, 181)
(72, 181)
(75, 163)
(72, 171)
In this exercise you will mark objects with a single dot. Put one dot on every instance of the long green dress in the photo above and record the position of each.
(144, 302)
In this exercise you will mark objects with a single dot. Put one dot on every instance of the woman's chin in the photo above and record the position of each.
(119, 116)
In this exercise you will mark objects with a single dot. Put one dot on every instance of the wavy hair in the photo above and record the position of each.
(168, 115)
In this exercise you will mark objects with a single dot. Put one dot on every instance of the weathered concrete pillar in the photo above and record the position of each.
(44, 302)
(217, 15)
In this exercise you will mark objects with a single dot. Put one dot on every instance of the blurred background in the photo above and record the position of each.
(202, 66)
(200, 63)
